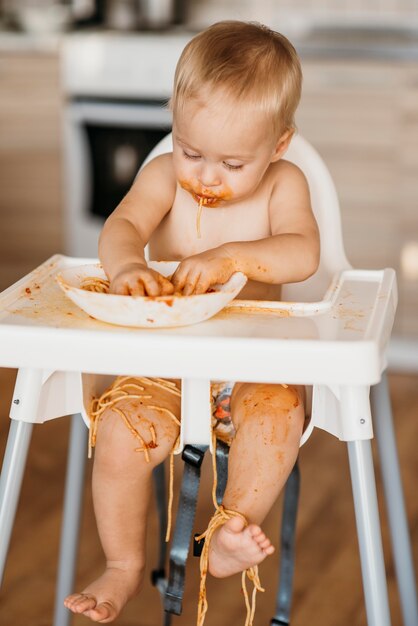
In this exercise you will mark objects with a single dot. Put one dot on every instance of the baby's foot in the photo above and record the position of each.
(235, 547)
(104, 599)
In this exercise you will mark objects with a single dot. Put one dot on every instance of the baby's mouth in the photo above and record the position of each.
(206, 200)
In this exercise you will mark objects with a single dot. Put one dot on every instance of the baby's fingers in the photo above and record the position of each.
(167, 288)
(202, 285)
(152, 286)
(179, 277)
(127, 288)
(190, 284)
(185, 280)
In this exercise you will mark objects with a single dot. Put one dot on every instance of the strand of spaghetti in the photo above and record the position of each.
(111, 392)
(168, 383)
(119, 380)
(145, 451)
(160, 408)
(102, 404)
(110, 403)
(168, 388)
(121, 394)
(171, 489)
(133, 431)
(132, 385)
(170, 492)
(202, 201)
(92, 427)
(153, 436)
(252, 574)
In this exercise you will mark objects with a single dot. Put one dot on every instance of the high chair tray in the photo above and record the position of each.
(340, 339)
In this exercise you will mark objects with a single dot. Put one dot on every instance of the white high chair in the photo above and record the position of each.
(332, 335)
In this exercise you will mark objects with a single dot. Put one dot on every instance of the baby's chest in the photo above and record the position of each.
(187, 231)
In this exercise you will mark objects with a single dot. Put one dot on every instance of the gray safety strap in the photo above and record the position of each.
(222, 451)
(193, 457)
(158, 575)
(287, 552)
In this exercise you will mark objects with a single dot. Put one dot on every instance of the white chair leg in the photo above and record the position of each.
(10, 482)
(369, 534)
(401, 545)
(70, 530)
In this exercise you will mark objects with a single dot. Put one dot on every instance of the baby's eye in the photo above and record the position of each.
(191, 156)
(230, 166)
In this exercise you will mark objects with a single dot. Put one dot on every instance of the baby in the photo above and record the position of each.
(236, 89)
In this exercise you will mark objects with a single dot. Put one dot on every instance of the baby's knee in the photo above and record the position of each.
(132, 432)
(269, 405)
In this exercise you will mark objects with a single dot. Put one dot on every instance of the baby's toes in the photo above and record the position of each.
(262, 541)
(80, 602)
(257, 534)
(103, 612)
(269, 549)
(255, 531)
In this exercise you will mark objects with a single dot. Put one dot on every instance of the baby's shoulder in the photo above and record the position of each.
(157, 175)
(287, 180)
(161, 163)
(286, 170)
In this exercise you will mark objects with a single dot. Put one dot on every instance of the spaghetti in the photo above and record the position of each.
(202, 201)
(95, 284)
(219, 518)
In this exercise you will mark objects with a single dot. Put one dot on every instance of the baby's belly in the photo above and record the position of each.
(255, 290)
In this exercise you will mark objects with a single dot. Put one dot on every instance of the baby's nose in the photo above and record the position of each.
(208, 177)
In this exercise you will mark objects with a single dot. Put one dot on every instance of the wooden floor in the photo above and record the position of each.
(328, 587)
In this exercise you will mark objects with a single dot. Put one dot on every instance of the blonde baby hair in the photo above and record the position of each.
(248, 63)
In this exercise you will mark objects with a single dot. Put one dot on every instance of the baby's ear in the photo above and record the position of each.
(282, 144)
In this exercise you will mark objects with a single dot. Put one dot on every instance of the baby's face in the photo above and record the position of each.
(220, 153)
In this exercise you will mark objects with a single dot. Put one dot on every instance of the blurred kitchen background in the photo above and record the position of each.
(82, 90)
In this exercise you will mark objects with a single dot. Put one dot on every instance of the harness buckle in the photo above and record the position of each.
(193, 455)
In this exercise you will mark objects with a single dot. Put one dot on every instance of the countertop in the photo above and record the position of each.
(398, 43)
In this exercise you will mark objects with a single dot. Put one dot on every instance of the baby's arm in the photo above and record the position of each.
(290, 254)
(129, 227)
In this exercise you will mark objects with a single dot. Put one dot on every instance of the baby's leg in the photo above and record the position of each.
(122, 482)
(268, 420)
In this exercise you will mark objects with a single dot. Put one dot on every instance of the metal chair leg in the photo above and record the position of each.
(369, 534)
(23, 413)
(287, 549)
(11, 481)
(70, 530)
(395, 504)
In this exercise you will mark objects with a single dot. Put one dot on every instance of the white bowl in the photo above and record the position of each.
(147, 311)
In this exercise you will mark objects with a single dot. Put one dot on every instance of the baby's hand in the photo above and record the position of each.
(199, 272)
(139, 280)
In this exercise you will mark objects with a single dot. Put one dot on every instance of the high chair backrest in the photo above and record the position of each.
(326, 208)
